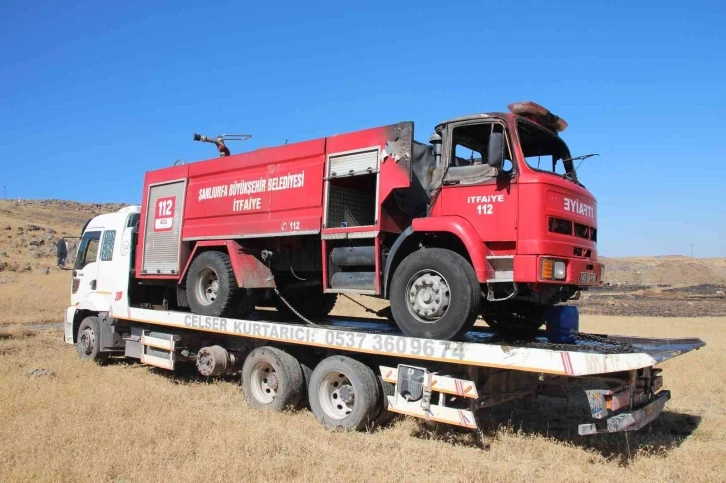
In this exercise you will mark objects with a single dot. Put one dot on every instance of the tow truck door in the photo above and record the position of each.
(85, 270)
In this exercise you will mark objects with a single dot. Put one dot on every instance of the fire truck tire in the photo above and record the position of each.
(435, 294)
(272, 379)
(344, 394)
(88, 342)
(211, 285)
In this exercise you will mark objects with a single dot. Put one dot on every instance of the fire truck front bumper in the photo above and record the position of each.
(557, 270)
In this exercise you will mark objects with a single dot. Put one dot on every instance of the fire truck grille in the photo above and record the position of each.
(565, 227)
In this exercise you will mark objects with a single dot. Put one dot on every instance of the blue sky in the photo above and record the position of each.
(96, 93)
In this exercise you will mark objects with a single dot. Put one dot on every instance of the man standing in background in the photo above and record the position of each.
(61, 252)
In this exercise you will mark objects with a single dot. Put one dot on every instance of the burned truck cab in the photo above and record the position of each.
(511, 176)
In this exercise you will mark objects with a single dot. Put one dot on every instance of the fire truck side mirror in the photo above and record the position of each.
(495, 156)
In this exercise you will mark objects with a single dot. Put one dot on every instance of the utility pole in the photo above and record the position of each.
(691, 250)
(5, 194)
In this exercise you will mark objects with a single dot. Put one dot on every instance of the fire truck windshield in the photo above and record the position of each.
(544, 150)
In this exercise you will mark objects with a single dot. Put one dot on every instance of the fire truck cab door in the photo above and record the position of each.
(485, 196)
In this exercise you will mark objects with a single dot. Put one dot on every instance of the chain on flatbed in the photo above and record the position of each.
(301, 316)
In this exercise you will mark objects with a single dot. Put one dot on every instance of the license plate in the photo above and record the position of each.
(588, 277)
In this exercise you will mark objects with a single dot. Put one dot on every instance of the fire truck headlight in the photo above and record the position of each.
(560, 271)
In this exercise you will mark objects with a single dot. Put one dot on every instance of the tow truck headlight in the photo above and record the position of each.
(560, 270)
(552, 269)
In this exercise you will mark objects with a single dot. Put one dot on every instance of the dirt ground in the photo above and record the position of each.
(63, 419)
(705, 300)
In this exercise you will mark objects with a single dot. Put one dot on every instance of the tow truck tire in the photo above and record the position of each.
(435, 294)
(344, 394)
(272, 379)
(88, 341)
(385, 416)
(211, 285)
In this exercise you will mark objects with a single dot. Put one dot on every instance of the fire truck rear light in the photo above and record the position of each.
(547, 268)
(560, 270)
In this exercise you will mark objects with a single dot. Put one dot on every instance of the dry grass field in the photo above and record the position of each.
(125, 422)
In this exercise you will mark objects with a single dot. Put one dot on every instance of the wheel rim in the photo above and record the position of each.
(264, 382)
(87, 340)
(336, 395)
(427, 296)
(207, 286)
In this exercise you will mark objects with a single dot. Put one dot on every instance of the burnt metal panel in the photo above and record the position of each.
(161, 247)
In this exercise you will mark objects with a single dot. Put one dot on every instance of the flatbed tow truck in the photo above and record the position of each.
(355, 372)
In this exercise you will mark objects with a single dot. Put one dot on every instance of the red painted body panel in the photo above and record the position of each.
(491, 208)
(248, 270)
(261, 192)
(151, 178)
(465, 232)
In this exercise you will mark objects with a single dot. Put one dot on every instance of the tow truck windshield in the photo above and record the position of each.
(544, 150)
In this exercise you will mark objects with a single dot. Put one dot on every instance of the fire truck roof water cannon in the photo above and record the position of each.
(471, 224)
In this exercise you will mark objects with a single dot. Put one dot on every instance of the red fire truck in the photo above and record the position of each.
(487, 219)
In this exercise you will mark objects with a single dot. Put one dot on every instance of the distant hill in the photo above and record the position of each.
(664, 270)
(29, 230)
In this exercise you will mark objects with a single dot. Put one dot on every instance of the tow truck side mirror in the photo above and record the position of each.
(495, 156)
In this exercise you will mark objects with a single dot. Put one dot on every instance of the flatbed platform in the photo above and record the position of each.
(587, 356)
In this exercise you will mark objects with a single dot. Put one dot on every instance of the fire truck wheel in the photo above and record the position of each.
(272, 379)
(435, 294)
(211, 285)
(344, 394)
(88, 341)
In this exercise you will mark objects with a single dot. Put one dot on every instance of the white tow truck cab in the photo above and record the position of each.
(352, 372)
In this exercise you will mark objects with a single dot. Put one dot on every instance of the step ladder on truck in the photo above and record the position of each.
(355, 373)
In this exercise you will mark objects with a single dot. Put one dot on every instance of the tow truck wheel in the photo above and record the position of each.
(435, 294)
(344, 394)
(385, 416)
(272, 379)
(211, 285)
(88, 342)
